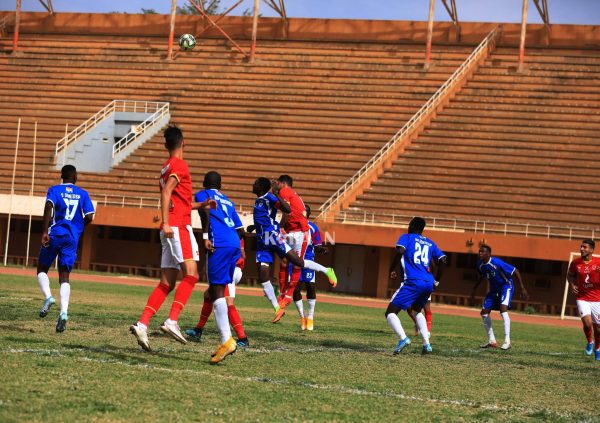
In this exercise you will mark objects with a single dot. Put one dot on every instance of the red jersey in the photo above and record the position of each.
(588, 278)
(180, 208)
(296, 220)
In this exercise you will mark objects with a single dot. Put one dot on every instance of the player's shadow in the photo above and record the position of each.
(130, 355)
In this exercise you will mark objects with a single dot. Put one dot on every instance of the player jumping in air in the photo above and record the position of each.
(269, 240)
(179, 247)
(226, 230)
(68, 209)
(417, 253)
(584, 279)
(501, 288)
(315, 245)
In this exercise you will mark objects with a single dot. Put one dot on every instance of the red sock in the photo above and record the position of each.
(236, 321)
(207, 308)
(182, 295)
(283, 276)
(155, 300)
(428, 319)
(588, 333)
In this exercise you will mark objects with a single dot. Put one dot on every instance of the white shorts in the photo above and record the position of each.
(587, 308)
(230, 288)
(182, 247)
(298, 241)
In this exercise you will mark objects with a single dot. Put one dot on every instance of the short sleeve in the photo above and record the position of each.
(506, 268)
(237, 222)
(177, 169)
(316, 236)
(201, 196)
(87, 207)
(403, 241)
(50, 196)
(437, 253)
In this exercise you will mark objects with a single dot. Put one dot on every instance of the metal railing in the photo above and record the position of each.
(5, 22)
(161, 112)
(112, 107)
(424, 112)
(364, 217)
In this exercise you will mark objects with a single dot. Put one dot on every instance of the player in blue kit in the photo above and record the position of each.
(501, 288)
(315, 245)
(68, 209)
(221, 231)
(270, 241)
(416, 253)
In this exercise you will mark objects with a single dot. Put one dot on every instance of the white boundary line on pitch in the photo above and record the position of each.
(256, 379)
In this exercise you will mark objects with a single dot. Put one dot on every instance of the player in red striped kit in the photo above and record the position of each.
(584, 279)
(179, 247)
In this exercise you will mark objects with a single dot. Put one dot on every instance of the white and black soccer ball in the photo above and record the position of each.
(187, 42)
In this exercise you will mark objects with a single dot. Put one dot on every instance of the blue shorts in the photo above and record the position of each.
(494, 299)
(307, 275)
(65, 247)
(220, 265)
(413, 294)
(268, 244)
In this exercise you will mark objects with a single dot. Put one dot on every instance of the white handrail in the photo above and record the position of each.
(140, 129)
(423, 112)
(113, 106)
(449, 224)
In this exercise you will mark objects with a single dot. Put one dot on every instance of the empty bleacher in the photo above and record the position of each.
(516, 147)
(315, 110)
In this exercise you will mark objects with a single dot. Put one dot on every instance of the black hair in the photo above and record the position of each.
(307, 208)
(212, 180)
(487, 247)
(416, 225)
(286, 179)
(68, 172)
(263, 183)
(173, 137)
(589, 242)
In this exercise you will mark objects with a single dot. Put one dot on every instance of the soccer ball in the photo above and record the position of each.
(187, 42)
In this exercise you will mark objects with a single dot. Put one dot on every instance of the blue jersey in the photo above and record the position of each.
(497, 272)
(315, 239)
(265, 211)
(416, 260)
(71, 204)
(224, 220)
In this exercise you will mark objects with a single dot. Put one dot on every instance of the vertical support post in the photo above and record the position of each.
(429, 35)
(16, 31)
(12, 192)
(254, 31)
(31, 193)
(172, 29)
(64, 161)
(523, 34)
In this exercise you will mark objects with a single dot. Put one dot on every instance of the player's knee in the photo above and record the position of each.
(311, 292)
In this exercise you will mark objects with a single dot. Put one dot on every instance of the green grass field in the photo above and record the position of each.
(343, 371)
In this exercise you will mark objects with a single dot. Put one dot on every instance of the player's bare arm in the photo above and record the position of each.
(283, 205)
(48, 213)
(209, 203)
(165, 202)
(524, 293)
(396, 261)
(439, 268)
(572, 279)
(205, 219)
(87, 219)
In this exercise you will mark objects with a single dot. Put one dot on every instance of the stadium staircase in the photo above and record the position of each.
(510, 147)
(316, 110)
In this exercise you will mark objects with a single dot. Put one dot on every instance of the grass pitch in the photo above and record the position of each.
(343, 371)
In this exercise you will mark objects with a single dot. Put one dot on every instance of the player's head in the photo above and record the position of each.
(173, 138)
(212, 180)
(587, 248)
(261, 186)
(307, 208)
(286, 179)
(68, 174)
(416, 225)
(485, 252)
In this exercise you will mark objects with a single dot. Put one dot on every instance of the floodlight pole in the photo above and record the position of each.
(429, 35)
(523, 35)
(172, 29)
(17, 24)
(254, 31)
